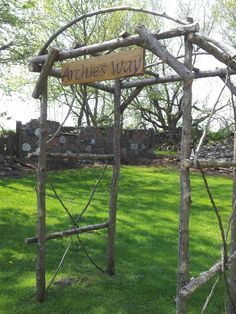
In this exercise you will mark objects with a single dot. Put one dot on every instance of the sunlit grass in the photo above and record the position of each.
(167, 152)
(147, 235)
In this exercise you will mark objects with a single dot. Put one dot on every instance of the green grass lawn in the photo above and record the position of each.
(147, 235)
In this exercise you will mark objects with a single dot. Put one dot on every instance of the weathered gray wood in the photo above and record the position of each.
(115, 182)
(185, 189)
(209, 163)
(81, 156)
(67, 233)
(38, 90)
(232, 268)
(174, 78)
(41, 183)
(158, 49)
(213, 50)
(116, 43)
(70, 155)
(143, 82)
(196, 283)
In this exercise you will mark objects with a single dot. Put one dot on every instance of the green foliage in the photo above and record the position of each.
(219, 136)
(14, 30)
(146, 251)
(224, 12)
(4, 132)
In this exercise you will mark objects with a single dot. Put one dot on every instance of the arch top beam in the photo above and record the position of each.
(117, 43)
(104, 11)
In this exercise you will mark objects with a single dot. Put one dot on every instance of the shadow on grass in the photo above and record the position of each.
(146, 247)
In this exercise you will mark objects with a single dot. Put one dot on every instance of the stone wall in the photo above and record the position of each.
(86, 140)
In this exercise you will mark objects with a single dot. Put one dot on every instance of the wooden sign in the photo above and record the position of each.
(107, 67)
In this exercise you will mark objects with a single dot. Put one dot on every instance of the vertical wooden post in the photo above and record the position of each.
(232, 268)
(185, 198)
(40, 91)
(41, 181)
(115, 182)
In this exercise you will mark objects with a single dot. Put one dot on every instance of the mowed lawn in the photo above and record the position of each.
(147, 242)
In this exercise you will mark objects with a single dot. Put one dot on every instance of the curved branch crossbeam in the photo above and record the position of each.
(102, 11)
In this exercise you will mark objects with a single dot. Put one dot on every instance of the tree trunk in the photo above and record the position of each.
(115, 182)
(185, 201)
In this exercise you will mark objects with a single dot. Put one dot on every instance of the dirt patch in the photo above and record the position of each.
(11, 166)
(14, 167)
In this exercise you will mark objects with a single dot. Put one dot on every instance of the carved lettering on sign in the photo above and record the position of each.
(109, 67)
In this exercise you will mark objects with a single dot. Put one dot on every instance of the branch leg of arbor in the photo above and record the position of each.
(41, 182)
(185, 201)
(232, 268)
(38, 90)
(115, 182)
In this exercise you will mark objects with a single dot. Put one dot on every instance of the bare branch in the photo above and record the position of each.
(216, 210)
(64, 121)
(91, 195)
(208, 123)
(210, 295)
(59, 265)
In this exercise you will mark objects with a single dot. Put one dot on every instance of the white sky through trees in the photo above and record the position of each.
(19, 109)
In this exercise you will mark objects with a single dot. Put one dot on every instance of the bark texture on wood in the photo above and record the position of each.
(66, 233)
(115, 182)
(158, 49)
(41, 182)
(76, 156)
(175, 78)
(232, 269)
(81, 156)
(38, 90)
(185, 200)
(213, 50)
(143, 82)
(196, 283)
(116, 43)
(209, 163)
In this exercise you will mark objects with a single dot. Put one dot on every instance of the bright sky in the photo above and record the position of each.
(21, 110)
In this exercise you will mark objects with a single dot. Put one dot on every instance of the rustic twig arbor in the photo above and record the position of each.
(43, 63)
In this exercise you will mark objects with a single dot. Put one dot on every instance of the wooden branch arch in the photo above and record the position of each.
(43, 63)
